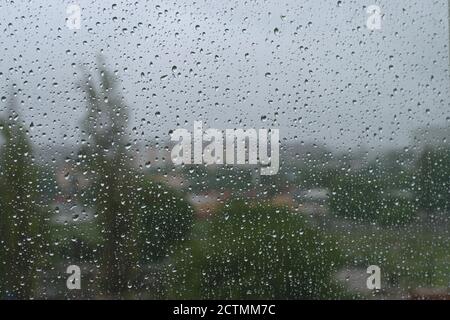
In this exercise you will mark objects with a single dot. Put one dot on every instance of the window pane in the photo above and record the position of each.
(224, 150)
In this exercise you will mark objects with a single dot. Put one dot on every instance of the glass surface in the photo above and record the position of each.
(224, 149)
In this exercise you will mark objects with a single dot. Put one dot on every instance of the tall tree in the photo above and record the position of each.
(141, 221)
(105, 156)
(22, 221)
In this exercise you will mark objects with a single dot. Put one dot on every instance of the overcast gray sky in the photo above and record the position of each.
(311, 68)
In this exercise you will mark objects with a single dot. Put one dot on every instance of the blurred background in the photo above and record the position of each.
(89, 99)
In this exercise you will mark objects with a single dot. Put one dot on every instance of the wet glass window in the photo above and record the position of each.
(224, 149)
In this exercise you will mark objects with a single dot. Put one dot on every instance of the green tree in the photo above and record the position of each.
(365, 197)
(433, 188)
(139, 221)
(105, 157)
(164, 221)
(22, 220)
(256, 251)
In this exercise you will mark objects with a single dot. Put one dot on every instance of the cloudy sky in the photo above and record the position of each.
(311, 68)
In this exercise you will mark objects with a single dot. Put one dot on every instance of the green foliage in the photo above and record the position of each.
(138, 221)
(104, 156)
(433, 188)
(366, 197)
(22, 220)
(75, 243)
(256, 251)
(395, 211)
(164, 220)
